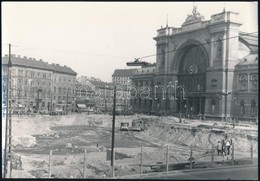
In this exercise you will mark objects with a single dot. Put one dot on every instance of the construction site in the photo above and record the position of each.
(79, 145)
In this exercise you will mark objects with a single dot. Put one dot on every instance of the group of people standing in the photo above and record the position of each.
(224, 147)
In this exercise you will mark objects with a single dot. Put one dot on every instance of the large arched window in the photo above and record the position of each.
(194, 61)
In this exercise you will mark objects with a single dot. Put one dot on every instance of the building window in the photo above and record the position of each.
(32, 74)
(59, 98)
(43, 94)
(19, 93)
(253, 108)
(20, 83)
(214, 83)
(54, 90)
(64, 90)
(44, 76)
(213, 105)
(219, 49)
(59, 90)
(243, 82)
(254, 82)
(20, 72)
(242, 107)
(64, 97)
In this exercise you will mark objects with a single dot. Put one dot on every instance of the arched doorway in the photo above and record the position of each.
(192, 76)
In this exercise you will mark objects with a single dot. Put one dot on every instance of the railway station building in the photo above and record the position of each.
(210, 67)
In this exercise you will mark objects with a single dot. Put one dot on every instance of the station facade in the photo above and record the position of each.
(204, 67)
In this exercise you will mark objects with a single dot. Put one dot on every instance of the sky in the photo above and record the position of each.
(95, 38)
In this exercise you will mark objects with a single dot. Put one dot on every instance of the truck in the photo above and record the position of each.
(137, 125)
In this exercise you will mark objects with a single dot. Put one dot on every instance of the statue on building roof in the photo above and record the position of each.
(194, 17)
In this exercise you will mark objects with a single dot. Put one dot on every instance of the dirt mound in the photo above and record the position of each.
(25, 141)
(200, 138)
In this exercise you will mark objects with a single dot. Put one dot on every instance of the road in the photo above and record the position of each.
(246, 173)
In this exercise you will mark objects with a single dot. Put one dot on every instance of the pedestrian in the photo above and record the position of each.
(20, 160)
(219, 148)
(228, 146)
(223, 150)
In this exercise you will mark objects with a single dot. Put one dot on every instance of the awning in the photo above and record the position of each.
(82, 106)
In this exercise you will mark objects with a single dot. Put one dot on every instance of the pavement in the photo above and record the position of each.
(238, 172)
(234, 173)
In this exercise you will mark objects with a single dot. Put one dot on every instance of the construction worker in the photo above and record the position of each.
(228, 146)
(219, 148)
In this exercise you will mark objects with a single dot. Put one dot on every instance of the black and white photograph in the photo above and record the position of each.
(130, 90)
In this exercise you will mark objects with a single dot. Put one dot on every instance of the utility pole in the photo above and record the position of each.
(8, 126)
(113, 133)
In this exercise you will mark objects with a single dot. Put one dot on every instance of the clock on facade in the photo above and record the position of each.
(193, 69)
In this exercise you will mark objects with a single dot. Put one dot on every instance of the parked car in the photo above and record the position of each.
(124, 126)
(60, 112)
(44, 112)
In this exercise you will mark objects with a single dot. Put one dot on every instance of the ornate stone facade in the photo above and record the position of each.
(203, 57)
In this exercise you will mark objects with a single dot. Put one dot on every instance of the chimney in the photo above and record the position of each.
(65, 66)
(58, 64)
(53, 63)
(6, 55)
(40, 60)
(30, 58)
(33, 58)
(25, 57)
(19, 56)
